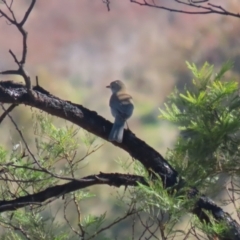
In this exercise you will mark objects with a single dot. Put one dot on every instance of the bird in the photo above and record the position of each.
(121, 105)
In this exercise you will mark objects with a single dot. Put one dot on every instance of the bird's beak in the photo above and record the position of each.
(107, 86)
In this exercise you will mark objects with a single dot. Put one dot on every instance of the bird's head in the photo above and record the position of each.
(116, 86)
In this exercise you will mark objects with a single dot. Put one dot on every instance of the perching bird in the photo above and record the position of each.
(121, 105)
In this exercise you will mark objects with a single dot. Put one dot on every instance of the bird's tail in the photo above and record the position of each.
(116, 133)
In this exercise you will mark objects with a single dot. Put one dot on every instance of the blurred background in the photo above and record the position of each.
(77, 47)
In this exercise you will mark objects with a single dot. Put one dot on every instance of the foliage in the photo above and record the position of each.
(208, 117)
(55, 157)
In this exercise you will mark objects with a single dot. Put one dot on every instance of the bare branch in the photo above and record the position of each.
(107, 2)
(6, 16)
(218, 7)
(14, 57)
(9, 7)
(27, 13)
(131, 211)
(10, 72)
(201, 9)
(21, 71)
(7, 111)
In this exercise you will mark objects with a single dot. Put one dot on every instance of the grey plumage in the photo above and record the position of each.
(121, 105)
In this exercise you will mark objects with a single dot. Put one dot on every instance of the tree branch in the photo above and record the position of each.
(208, 8)
(19, 25)
(114, 179)
(6, 112)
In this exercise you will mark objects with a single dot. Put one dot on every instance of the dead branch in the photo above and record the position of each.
(19, 25)
(196, 7)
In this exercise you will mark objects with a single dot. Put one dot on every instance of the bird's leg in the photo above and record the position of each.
(132, 157)
(127, 126)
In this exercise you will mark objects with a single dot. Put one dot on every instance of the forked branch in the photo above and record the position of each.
(19, 25)
(187, 6)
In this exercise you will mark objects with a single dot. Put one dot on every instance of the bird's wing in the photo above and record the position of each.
(123, 104)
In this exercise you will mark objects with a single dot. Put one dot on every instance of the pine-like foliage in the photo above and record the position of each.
(208, 117)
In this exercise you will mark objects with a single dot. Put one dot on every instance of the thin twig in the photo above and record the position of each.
(129, 213)
(6, 112)
(21, 71)
(210, 9)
